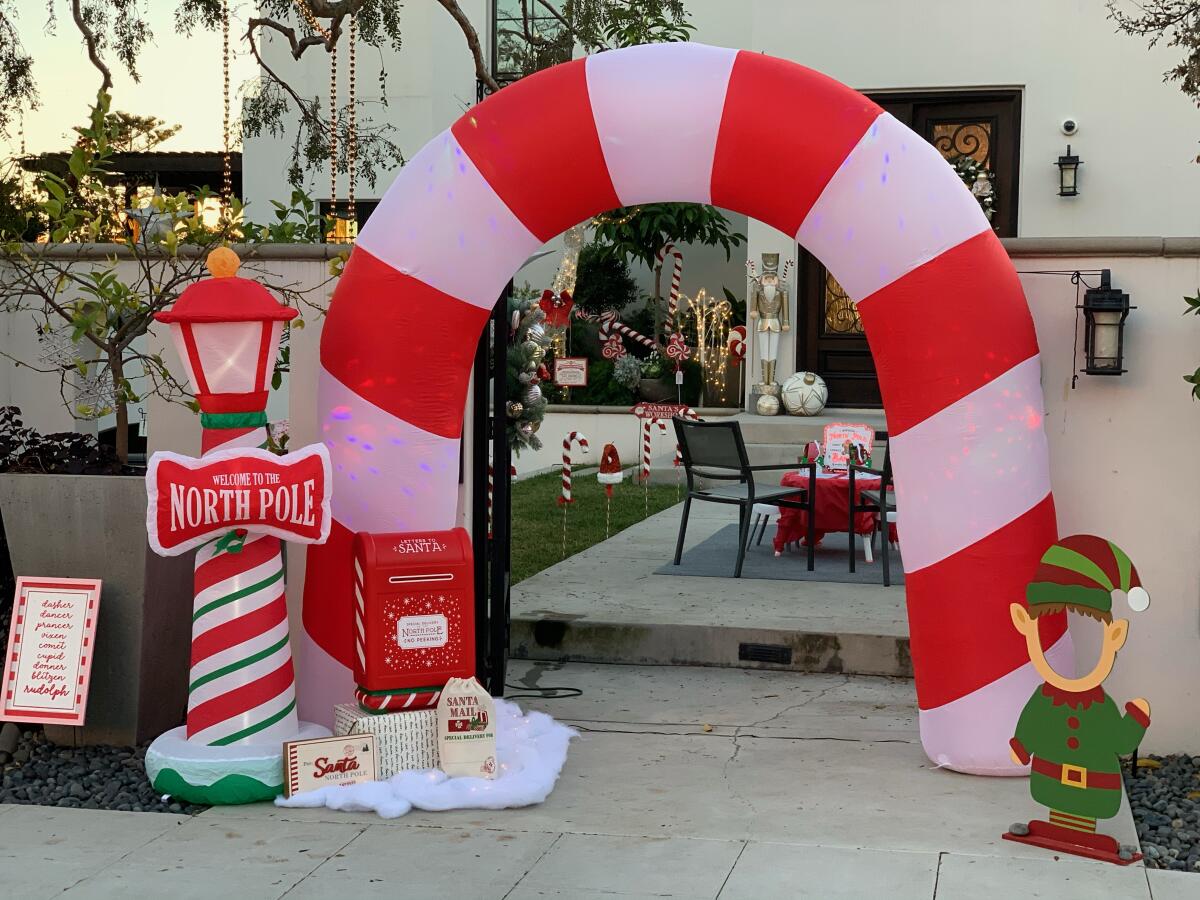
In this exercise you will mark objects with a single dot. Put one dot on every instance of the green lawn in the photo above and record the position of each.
(537, 517)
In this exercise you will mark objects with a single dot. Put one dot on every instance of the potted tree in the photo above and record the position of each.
(72, 508)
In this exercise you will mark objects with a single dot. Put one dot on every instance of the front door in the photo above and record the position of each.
(980, 128)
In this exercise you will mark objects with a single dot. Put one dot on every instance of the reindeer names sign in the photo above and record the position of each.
(51, 642)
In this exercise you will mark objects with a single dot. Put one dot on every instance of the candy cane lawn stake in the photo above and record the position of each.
(895, 243)
(234, 505)
(676, 276)
(565, 498)
(645, 474)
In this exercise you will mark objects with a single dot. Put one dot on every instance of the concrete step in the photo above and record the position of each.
(559, 639)
(608, 605)
(797, 430)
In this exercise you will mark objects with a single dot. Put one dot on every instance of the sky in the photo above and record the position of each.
(181, 80)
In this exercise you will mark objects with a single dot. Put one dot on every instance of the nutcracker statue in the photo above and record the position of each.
(1071, 733)
(233, 506)
(768, 308)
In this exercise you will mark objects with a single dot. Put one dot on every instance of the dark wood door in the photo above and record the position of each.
(982, 128)
(830, 338)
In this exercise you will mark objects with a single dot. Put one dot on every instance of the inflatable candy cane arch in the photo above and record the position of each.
(870, 198)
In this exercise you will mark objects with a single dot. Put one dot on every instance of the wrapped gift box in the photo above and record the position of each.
(405, 740)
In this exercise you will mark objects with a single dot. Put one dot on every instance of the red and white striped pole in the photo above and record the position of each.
(241, 686)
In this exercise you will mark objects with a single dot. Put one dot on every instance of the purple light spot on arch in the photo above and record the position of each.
(900, 222)
(399, 442)
(351, 439)
(887, 158)
(458, 151)
(353, 477)
(341, 413)
(368, 447)
(875, 129)
(329, 444)
(372, 470)
(849, 235)
(425, 467)
(462, 168)
(341, 468)
(883, 177)
(462, 241)
(406, 491)
(450, 196)
(492, 223)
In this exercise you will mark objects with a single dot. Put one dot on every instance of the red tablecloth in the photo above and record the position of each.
(833, 507)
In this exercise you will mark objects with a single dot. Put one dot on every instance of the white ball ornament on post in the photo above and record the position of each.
(804, 394)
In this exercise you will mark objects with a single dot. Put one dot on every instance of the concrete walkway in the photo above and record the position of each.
(695, 783)
(607, 605)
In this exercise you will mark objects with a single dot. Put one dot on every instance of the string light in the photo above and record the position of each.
(711, 320)
(351, 135)
(633, 213)
(227, 167)
(339, 233)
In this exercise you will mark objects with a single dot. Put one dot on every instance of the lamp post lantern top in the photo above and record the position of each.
(225, 297)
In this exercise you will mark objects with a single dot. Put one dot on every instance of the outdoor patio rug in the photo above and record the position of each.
(715, 557)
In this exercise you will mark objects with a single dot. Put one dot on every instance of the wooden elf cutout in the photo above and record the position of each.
(1071, 732)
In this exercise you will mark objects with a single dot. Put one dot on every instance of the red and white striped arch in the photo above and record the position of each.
(949, 328)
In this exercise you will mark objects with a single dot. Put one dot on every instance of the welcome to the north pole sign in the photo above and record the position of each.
(192, 501)
(50, 647)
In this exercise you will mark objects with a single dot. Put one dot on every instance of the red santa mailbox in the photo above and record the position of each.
(414, 618)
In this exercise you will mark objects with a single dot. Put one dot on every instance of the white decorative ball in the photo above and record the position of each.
(804, 394)
(767, 405)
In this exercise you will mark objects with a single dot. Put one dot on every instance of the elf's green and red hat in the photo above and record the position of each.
(1081, 573)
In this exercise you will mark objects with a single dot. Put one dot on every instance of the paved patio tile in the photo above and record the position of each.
(830, 873)
(44, 849)
(204, 859)
(427, 862)
(1166, 885)
(1039, 879)
(660, 867)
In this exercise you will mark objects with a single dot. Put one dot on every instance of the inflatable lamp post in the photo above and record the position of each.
(242, 695)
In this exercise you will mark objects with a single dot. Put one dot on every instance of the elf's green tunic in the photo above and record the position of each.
(1077, 729)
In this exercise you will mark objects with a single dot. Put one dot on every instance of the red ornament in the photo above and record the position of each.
(557, 309)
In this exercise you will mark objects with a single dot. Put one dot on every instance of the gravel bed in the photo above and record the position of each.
(37, 772)
(1168, 820)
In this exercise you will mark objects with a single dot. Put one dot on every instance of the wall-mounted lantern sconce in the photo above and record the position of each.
(1068, 174)
(1105, 309)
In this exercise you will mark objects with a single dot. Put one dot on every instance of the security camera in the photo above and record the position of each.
(1070, 126)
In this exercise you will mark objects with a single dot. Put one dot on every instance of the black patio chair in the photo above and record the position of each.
(880, 502)
(715, 451)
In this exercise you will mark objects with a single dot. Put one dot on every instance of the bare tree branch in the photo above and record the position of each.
(482, 70)
(89, 38)
(298, 45)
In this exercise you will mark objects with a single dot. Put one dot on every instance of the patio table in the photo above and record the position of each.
(832, 507)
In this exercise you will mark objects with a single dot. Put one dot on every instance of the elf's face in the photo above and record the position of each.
(1113, 640)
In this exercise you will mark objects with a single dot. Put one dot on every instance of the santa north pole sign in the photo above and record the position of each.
(192, 501)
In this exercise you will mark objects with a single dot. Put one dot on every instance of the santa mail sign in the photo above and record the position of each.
(192, 501)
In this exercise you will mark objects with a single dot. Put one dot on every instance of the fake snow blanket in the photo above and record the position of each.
(531, 749)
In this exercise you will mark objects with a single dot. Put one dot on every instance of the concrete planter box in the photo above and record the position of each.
(94, 526)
